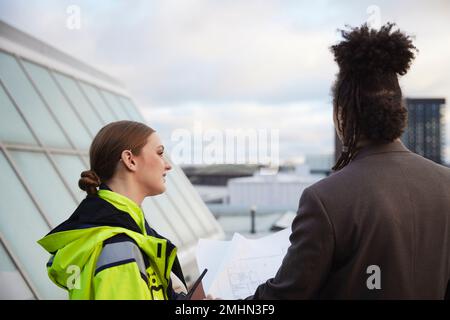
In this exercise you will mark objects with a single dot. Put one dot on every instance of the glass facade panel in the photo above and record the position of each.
(98, 103)
(12, 285)
(59, 105)
(166, 206)
(201, 211)
(30, 103)
(182, 206)
(12, 127)
(115, 105)
(90, 118)
(131, 109)
(71, 166)
(45, 184)
(22, 225)
(86, 161)
(155, 219)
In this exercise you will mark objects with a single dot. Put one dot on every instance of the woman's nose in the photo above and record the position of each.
(168, 166)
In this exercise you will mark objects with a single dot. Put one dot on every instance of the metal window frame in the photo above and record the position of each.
(91, 104)
(124, 107)
(20, 268)
(46, 150)
(99, 92)
(71, 103)
(45, 102)
(177, 206)
(156, 204)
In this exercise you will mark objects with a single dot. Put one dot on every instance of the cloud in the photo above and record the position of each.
(228, 62)
(170, 52)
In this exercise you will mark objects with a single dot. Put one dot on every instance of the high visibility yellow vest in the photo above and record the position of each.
(88, 269)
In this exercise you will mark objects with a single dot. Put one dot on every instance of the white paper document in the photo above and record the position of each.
(237, 267)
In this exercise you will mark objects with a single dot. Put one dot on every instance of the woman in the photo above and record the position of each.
(379, 227)
(106, 249)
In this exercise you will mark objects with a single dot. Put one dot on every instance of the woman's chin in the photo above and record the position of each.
(157, 191)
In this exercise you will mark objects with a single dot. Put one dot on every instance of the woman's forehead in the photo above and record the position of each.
(154, 140)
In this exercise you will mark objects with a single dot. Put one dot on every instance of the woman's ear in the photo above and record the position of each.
(128, 160)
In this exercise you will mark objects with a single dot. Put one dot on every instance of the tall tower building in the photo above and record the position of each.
(425, 130)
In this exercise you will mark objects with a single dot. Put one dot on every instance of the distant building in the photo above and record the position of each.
(320, 163)
(281, 190)
(218, 174)
(424, 131)
(212, 194)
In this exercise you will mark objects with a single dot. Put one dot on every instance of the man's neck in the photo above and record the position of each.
(365, 142)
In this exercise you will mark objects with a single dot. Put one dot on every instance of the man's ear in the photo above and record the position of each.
(128, 160)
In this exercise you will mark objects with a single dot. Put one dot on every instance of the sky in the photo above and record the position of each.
(258, 65)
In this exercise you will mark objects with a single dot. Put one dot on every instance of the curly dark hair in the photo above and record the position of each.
(367, 98)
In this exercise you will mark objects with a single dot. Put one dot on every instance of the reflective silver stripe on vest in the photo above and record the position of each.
(115, 253)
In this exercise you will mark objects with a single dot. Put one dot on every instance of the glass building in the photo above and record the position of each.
(51, 107)
(425, 130)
